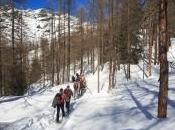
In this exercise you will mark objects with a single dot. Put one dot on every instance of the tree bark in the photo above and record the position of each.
(129, 44)
(69, 42)
(64, 45)
(163, 48)
(0, 59)
(53, 50)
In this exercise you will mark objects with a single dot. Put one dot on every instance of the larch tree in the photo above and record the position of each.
(1, 56)
(163, 48)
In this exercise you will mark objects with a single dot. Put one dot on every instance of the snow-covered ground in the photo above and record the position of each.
(132, 105)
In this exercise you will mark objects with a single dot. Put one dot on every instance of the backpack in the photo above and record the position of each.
(68, 94)
(60, 98)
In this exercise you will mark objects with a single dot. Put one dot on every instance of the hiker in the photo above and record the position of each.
(68, 93)
(73, 79)
(59, 103)
(83, 80)
(77, 77)
(76, 88)
(82, 84)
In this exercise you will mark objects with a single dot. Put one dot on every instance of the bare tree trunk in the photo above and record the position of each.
(129, 44)
(69, 42)
(101, 29)
(163, 48)
(13, 70)
(158, 42)
(53, 49)
(92, 50)
(117, 48)
(98, 69)
(110, 74)
(91, 60)
(64, 45)
(59, 44)
(150, 48)
(0, 59)
(81, 61)
(148, 51)
(22, 77)
(82, 13)
(113, 74)
(143, 56)
(13, 38)
(155, 45)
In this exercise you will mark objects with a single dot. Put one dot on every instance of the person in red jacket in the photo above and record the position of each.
(68, 93)
(60, 104)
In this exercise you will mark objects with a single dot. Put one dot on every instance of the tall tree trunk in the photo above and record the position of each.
(163, 48)
(53, 49)
(98, 69)
(150, 47)
(93, 61)
(158, 42)
(82, 36)
(101, 29)
(13, 68)
(22, 76)
(155, 44)
(64, 44)
(88, 55)
(143, 56)
(0, 58)
(69, 42)
(113, 74)
(110, 74)
(117, 43)
(81, 61)
(129, 43)
(58, 58)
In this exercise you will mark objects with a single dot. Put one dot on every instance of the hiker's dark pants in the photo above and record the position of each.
(60, 106)
(68, 106)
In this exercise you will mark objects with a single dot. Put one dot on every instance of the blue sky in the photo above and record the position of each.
(35, 4)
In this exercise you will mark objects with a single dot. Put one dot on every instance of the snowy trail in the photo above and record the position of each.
(109, 111)
(131, 105)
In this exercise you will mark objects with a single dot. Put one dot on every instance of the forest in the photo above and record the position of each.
(50, 45)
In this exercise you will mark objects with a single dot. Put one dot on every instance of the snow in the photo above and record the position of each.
(37, 24)
(131, 105)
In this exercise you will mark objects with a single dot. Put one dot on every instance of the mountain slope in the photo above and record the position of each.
(36, 23)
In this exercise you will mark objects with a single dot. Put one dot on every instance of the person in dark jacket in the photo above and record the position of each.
(58, 103)
(77, 77)
(73, 78)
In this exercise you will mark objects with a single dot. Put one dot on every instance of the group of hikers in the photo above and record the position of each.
(79, 84)
(63, 97)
